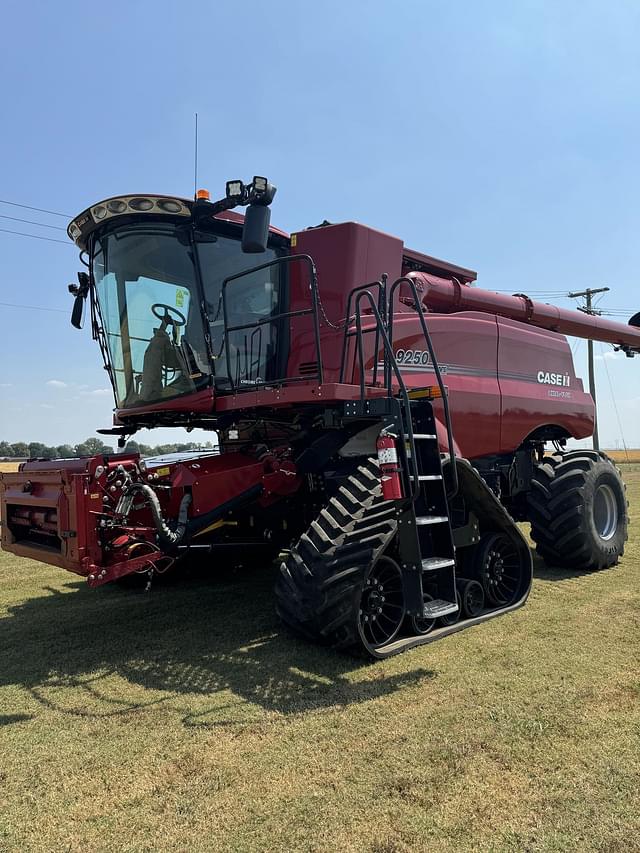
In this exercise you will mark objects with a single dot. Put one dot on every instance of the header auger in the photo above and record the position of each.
(382, 423)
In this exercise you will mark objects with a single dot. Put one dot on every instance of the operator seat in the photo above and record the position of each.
(159, 355)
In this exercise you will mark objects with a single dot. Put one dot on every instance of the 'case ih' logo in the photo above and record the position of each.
(554, 378)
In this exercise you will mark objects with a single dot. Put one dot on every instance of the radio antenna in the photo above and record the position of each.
(195, 161)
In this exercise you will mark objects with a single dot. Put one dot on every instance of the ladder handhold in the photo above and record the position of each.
(432, 564)
(423, 436)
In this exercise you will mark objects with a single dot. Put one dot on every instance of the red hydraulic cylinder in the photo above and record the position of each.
(451, 297)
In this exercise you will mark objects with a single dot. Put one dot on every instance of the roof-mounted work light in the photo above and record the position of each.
(261, 191)
(235, 189)
(256, 197)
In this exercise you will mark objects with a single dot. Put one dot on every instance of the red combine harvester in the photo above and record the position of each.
(381, 422)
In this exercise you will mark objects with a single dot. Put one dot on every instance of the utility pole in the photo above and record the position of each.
(589, 309)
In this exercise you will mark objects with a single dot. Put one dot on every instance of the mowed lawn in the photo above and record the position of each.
(185, 719)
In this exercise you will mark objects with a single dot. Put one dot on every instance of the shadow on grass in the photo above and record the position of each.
(193, 635)
(542, 571)
(9, 719)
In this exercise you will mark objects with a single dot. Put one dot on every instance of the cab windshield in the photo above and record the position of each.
(149, 304)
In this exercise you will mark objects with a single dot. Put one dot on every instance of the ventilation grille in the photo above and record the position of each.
(309, 368)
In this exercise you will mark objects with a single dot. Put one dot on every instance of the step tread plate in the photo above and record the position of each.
(438, 607)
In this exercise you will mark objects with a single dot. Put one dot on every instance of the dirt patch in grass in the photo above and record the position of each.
(187, 719)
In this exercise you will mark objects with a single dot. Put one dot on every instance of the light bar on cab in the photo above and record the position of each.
(124, 205)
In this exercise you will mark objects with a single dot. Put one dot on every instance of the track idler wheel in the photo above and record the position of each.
(472, 597)
(419, 624)
(498, 567)
(452, 618)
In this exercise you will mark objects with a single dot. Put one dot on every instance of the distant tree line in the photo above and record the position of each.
(90, 447)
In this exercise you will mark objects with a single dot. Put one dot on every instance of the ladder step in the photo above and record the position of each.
(431, 519)
(438, 607)
(422, 478)
(422, 435)
(432, 564)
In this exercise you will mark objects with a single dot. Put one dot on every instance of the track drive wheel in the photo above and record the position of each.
(335, 586)
(578, 511)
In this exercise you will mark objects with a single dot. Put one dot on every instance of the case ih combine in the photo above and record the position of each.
(382, 423)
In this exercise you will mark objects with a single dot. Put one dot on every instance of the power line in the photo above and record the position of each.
(33, 307)
(613, 399)
(37, 237)
(32, 222)
(39, 209)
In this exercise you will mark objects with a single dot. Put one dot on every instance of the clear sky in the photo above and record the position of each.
(502, 136)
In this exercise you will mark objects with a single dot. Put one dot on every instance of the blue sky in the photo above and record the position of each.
(502, 136)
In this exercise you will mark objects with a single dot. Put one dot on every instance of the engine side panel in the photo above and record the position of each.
(538, 385)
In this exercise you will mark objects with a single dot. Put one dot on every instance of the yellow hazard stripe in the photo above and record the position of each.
(215, 526)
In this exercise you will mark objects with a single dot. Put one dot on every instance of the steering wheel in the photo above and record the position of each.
(168, 317)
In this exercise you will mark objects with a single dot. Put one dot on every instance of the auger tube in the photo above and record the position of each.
(448, 298)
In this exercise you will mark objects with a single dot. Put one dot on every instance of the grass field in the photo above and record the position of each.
(631, 455)
(186, 719)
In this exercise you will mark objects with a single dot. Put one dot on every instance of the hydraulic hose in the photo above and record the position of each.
(167, 536)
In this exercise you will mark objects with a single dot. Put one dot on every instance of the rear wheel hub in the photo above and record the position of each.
(605, 512)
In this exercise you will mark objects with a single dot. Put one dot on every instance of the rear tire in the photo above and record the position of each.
(578, 511)
(323, 588)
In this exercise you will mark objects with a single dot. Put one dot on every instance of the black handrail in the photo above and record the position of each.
(313, 310)
(383, 328)
(382, 307)
(436, 368)
(413, 487)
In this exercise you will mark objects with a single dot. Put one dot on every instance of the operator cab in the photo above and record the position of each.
(157, 267)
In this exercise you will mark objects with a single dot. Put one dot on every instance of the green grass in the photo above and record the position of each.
(185, 719)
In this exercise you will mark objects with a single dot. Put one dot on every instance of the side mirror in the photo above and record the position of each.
(255, 233)
(80, 291)
(78, 311)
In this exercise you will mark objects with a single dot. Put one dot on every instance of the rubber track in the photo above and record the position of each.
(556, 510)
(318, 588)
